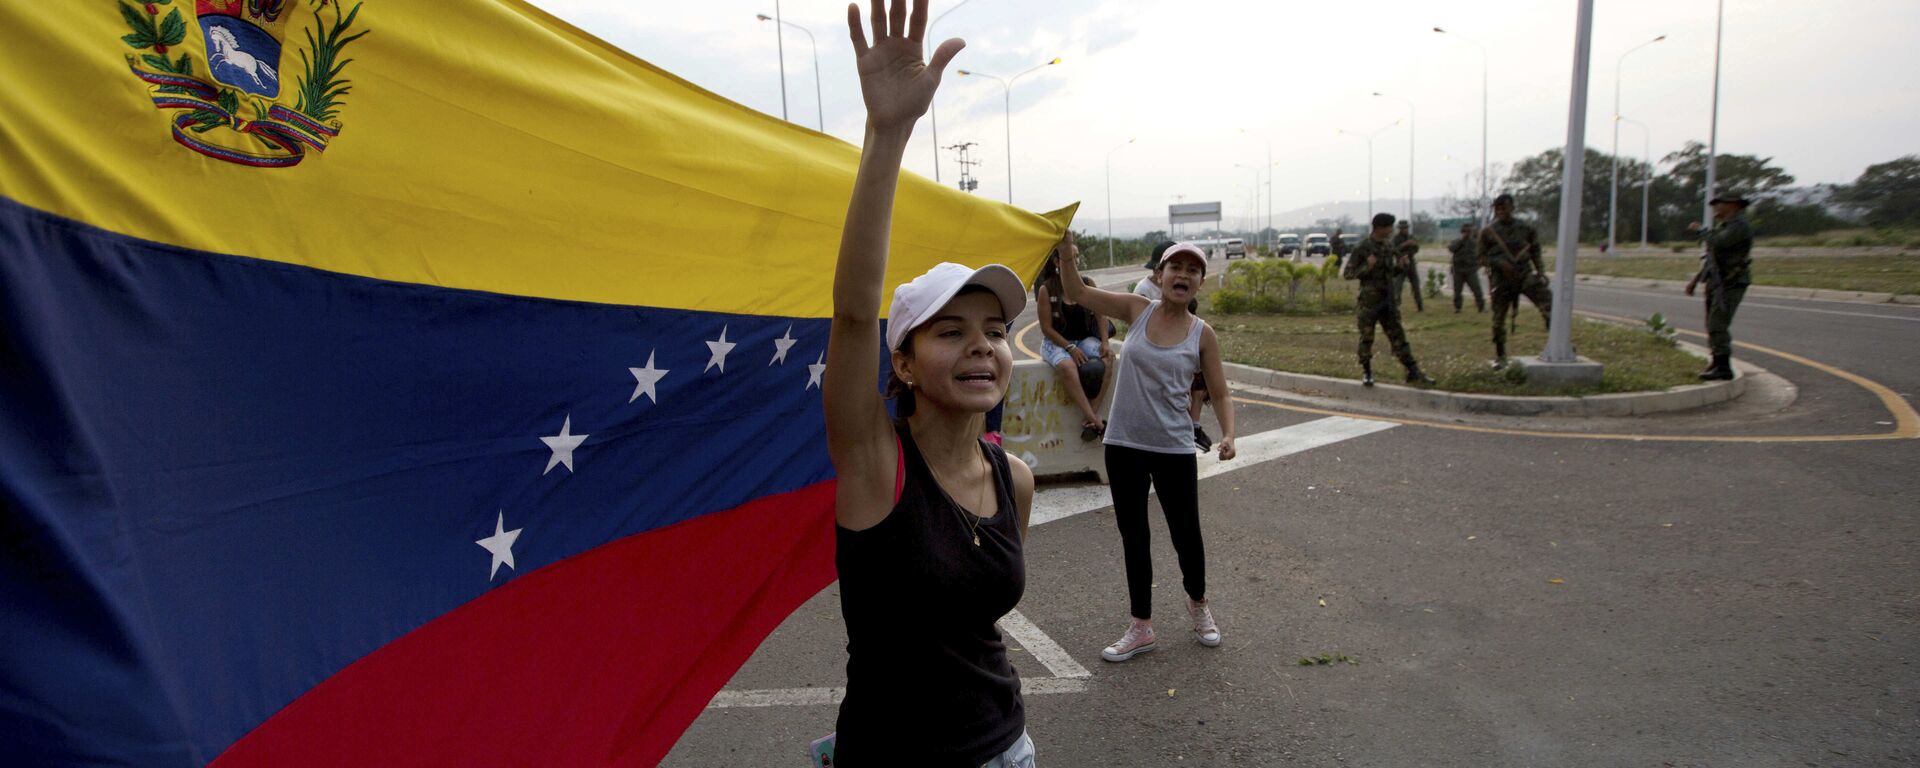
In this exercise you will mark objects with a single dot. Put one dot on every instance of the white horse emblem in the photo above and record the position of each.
(226, 49)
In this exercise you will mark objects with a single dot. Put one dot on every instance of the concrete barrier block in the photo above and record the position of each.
(1041, 424)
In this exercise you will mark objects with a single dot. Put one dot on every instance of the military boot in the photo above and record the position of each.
(1499, 355)
(1722, 369)
(1415, 376)
(1366, 374)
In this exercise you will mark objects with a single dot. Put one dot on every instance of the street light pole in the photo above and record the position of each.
(1560, 335)
(1264, 243)
(1256, 193)
(933, 114)
(1110, 199)
(1412, 126)
(1006, 84)
(1485, 181)
(1646, 182)
(1369, 139)
(819, 106)
(780, 43)
(1613, 195)
(1713, 130)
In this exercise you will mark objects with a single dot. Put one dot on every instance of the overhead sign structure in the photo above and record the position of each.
(1193, 213)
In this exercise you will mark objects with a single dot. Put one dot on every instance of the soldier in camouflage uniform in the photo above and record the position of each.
(1336, 247)
(1375, 262)
(1405, 245)
(1511, 251)
(1727, 269)
(1466, 270)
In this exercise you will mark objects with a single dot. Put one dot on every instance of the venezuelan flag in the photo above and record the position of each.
(404, 382)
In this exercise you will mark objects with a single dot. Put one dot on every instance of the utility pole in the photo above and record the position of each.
(966, 162)
(1560, 337)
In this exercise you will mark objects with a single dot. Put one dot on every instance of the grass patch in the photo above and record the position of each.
(1879, 273)
(1454, 349)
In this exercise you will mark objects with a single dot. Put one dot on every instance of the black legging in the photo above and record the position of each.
(1176, 477)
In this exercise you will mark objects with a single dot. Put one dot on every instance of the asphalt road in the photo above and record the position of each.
(1508, 599)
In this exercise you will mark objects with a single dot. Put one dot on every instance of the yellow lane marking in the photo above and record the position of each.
(1906, 420)
(1020, 339)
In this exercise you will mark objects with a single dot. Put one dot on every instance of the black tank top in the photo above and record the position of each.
(1073, 321)
(928, 683)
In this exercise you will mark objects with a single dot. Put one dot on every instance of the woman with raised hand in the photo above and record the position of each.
(1149, 438)
(930, 517)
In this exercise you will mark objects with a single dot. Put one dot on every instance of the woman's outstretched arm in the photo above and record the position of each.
(897, 85)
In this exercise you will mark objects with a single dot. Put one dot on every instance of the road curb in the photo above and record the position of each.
(1759, 291)
(1680, 398)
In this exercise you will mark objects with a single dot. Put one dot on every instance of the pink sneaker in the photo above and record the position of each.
(1137, 640)
(1204, 629)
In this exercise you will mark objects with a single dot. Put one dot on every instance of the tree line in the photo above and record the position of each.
(1885, 195)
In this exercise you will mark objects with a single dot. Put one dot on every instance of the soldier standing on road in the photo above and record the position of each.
(1405, 245)
(1337, 246)
(1376, 263)
(1511, 251)
(1727, 268)
(1466, 270)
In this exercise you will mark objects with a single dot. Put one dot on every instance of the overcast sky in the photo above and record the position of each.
(1825, 88)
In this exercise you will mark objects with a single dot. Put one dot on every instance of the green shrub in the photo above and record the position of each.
(1230, 301)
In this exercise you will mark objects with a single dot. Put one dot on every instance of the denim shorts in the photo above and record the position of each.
(1057, 355)
(1020, 755)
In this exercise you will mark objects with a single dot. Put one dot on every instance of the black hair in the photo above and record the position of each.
(1383, 220)
(1503, 199)
(897, 390)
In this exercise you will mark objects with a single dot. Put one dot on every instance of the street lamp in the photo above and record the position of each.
(1368, 137)
(1485, 181)
(1411, 127)
(1613, 195)
(1256, 194)
(780, 44)
(1270, 165)
(1713, 128)
(1572, 175)
(819, 106)
(1110, 199)
(933, 114)
(1646, 149)
(1006, 84)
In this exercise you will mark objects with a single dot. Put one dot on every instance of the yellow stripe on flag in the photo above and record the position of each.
(483, 145)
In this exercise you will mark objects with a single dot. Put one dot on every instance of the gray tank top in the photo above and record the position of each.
(1150, 390)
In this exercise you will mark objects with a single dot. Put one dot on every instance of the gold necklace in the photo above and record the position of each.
(972, 520)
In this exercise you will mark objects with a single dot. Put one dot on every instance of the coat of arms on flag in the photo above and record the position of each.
(227, 81)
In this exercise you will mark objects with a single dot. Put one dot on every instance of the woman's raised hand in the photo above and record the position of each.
(895, 81)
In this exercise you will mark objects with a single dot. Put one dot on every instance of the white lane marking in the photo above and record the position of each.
(777, 697)
(1745, 304)
(820, 697)
(1043, 648)
(1060, 503)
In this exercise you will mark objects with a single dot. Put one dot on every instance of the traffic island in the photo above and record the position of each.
(1644, 371)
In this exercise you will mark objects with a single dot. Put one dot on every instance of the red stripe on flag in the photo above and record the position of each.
(603, 658)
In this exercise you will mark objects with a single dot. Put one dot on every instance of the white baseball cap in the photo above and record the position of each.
(1188, 250)
(919, 300)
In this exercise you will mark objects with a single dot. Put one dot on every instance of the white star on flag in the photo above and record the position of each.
(814, 371)
(781, 345)
(563, 445)
(500, 544)
(720, 349)
(647, 377)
